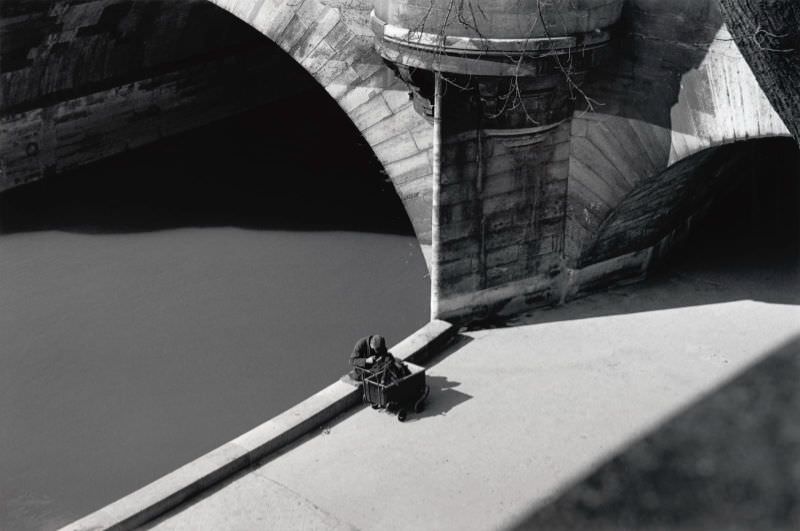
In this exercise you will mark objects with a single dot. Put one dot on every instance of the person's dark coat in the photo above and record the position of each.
(364, 350)
(361, 352)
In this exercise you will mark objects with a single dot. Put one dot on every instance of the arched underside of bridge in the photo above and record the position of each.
(333, 41)
(661, 212)
(673, 85)
(86, 80)
(640, 162)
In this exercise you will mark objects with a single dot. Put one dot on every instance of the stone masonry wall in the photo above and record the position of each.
(332, 40)
(528, 214)
(502, 216)
(674, 84)
(80, 81)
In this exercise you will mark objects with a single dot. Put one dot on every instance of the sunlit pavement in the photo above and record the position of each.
(517, 414)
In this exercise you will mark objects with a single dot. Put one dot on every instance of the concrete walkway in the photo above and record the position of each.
(519, 413)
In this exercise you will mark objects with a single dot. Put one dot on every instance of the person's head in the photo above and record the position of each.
(377, 344)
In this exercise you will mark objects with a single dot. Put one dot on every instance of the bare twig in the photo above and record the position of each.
(760, 37)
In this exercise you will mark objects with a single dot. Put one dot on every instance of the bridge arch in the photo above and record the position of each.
(332, 40)
(665, 101)
(664, 210)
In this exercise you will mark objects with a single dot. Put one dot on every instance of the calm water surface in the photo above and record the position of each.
(158, 305)
(125, 356)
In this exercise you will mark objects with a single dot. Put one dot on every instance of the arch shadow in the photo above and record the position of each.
(726, 461)
(741, 241)
(297, 162)
(658, 100)
(252, 171)
(333, 41)
(680, 196)
(653, 46)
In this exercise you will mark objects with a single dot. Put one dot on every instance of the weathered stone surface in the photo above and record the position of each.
(503, 205)
(81, 81)
(768, 34)
(674, 85)
(540, 173)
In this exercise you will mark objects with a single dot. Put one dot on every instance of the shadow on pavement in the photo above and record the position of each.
(729, 461)
(456, 343)
(442, 398)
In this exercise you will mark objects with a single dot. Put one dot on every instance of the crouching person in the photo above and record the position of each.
(366, 353)
(370, 354)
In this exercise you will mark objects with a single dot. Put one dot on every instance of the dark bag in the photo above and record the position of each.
(389, 369)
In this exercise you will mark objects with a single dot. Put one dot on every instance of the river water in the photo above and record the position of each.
(159, 304)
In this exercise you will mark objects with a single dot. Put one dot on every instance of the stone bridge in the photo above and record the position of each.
(573, 143)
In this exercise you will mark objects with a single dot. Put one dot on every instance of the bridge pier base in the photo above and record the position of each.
(502, 216)
(501, 166)
(502, 111)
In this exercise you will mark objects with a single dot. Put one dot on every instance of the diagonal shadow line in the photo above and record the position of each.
(443, 397)
(728, 461)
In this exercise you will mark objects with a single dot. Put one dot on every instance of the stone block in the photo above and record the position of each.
(504, 202)
(332, 75)
(318, 58)
(501, 183)
(356, 95)
(369, 64)
(550, 210)
(459, 268)
(396, 99)
(342, 85)
(398, 122)
(503, 274)
(561, 133)
(579, 126)
(587, 185)
(554, 190)
(456, 193)
(561, 151)
(513, 235)
(316, 33)
(398, 147)
(464, 175)
(310, 11)
(459, 212)
(460, 285)
(453, 249)
(341, 39)
(459, 230)
(292, 34)
(502, 256)
(459, 152)
(423, 132)
(371, 111)
(273, 16)
(501, 164)
(502, 220)
(557, 170)
(409, 169)
(542, 246)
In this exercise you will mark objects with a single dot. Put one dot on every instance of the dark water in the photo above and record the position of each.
(156, 305)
